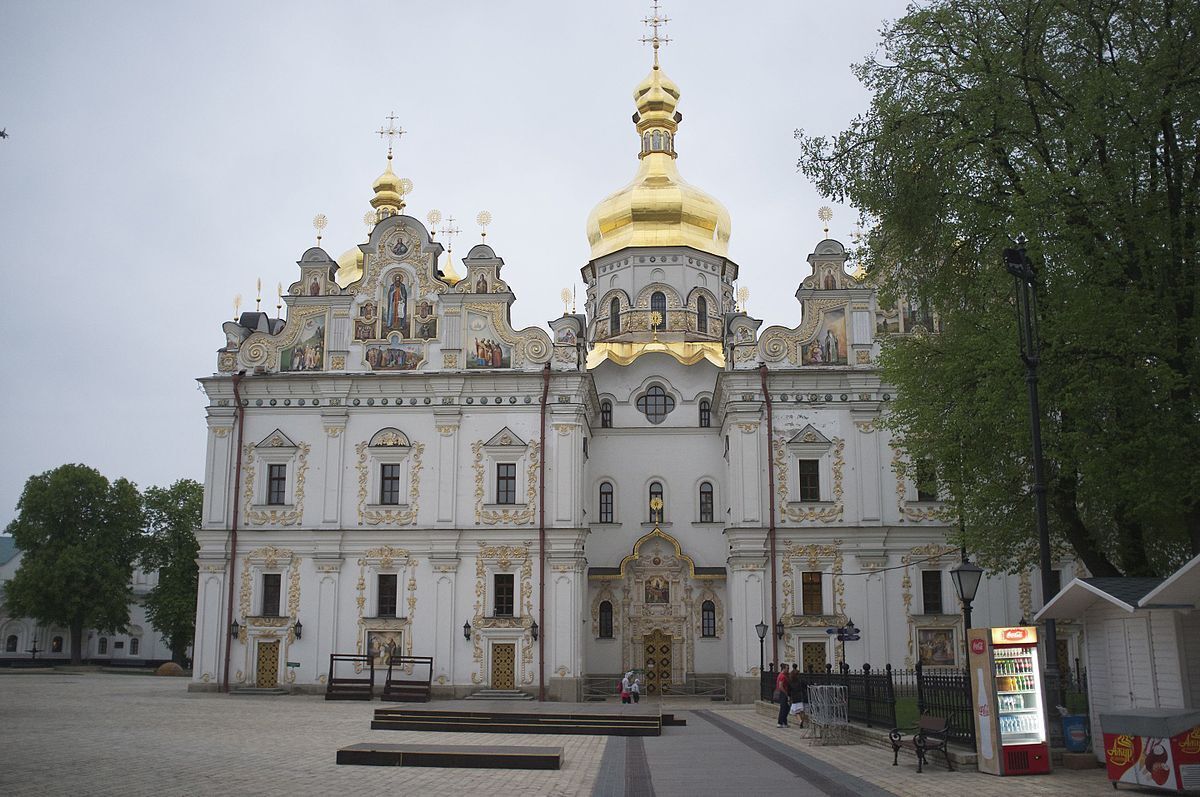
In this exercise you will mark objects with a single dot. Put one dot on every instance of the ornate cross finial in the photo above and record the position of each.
(825, 214)
(320, 222)
(449, 230)
(391, 131)
(654, 22)
(483, 220)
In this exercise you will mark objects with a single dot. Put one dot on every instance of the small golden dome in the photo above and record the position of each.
(389, 191)
(657, 208)
(350, 266)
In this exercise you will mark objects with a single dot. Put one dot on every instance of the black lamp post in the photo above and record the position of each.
(761, 629)
(966, 579)
(1021, 267)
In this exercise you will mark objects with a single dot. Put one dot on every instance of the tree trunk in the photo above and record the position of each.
(77, 642)
(1062, 502)
(179, 652)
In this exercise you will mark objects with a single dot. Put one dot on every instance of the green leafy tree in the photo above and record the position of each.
(172, 517)
(79, 536)
(1074, 123)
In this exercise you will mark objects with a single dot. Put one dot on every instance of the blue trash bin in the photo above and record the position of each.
(1075, 732)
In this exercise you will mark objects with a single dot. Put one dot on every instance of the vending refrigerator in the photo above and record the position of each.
(1006, 693)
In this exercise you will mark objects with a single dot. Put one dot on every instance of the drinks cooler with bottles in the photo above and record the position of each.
(1007, 701)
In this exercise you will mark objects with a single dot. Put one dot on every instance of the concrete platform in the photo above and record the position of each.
(455, 756)
(502, 716)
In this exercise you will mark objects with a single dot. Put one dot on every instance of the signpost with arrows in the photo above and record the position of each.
(846, 633)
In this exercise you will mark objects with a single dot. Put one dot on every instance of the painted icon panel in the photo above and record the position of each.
(308, 353)
(483, 348)
(828, 346)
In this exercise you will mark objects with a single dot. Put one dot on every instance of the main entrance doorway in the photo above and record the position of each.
(266, 669)
(504, 662)
(658, 661)
(812, 656)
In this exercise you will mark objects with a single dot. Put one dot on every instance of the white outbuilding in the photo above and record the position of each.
(1141, 641)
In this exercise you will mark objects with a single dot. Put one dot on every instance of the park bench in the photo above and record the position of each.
(931, 734)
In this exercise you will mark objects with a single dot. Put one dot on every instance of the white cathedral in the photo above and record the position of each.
(392, 468)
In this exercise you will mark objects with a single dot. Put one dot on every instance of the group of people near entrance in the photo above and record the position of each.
(791, 693)
(631, 688)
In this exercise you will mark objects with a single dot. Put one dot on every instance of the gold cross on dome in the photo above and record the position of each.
(655, 21)
(391, 131)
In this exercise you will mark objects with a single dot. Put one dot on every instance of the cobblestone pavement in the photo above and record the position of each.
(99, 734)
(130, 735)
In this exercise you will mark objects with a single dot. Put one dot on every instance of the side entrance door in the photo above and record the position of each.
(658, 661)
(266, 669)
(504, 670)
(812, 656)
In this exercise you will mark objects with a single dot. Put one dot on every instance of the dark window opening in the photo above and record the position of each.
(102, 648)
(655, 404)
(56, 645)
(506, 483)
(386, 595)
(503, 606)
(658, 304)
(810, 480)
(614, 317)
(606, 620)
(705, 413)
(706, 502)
(389, 484)
(605, 414)
(271, 583)
(276, 484)
(606, 502)
(812, 599)
(701, 314)
(10, 644)
(708, 619)
(135, 645)
(656, 499)
(931, 591)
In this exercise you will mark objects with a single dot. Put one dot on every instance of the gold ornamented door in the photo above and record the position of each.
(266, 668)
(657, 661)
(812, 656)
(504, 666)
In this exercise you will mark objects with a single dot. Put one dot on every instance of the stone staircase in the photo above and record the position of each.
(250, 691)
(500, 694)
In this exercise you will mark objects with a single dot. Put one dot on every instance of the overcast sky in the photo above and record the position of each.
(162, 156)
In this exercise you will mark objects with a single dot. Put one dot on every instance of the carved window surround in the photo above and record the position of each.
(926, 556)
(827, 559)
(505, 447)
(256, 563)
(275, 449)
(485, 629)
(388, 447)
(810, 444)
(386, 559)
(906, 496)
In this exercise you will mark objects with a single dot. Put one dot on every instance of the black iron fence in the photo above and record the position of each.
(945, 692)
(869, 694)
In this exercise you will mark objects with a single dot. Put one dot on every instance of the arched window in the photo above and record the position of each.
(606, 502)
(705, 413)
(56, 645)
(655, 404)
(606, 628)
(706, 502)
(606, 414)
(614, 316)
(658, 304)
(102, 646)
(656, 140)
(10, 644)
(656, 499)
(708, 619)
(135, 645)
(701, 314)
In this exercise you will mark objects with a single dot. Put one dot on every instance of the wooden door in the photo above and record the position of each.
(658, 662)
(504, 666)
(812, 656)
(266, 670)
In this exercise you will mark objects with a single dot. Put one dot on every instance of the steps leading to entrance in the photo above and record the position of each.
(459, 756)
(500, 694)
(254, 690)
(466, 718)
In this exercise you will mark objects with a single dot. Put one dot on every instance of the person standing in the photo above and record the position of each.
(781, 695)
(625, 687)
(798, 691)
(635, 688)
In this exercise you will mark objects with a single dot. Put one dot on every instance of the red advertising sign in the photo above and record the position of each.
(1019, 635)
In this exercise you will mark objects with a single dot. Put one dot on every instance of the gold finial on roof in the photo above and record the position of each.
(565, 295)
(655, 322)
(278, 299)
(825, 214)
(654, 22)
(483, 220)
(433, 217)
(258, 299)
(390, 189)
(743, 296)
(320, 222)
(237, 305)
(449, 230)
(369, 220)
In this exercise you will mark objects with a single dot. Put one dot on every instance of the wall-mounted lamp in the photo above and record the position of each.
(298, 628)
(235, 630)
(533, 630)
(467, 629)
(779, 629)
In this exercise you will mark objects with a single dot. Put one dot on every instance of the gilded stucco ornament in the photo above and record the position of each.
(931, 555)
(817, 512)
(503, 556)
(385, 558)
(914, 513)
(401, 516)
(289, 516)
(519, 514)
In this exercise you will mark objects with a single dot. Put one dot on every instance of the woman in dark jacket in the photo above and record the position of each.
(798, 691)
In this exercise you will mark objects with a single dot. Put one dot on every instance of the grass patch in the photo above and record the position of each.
(1077, 703)
(906, 712)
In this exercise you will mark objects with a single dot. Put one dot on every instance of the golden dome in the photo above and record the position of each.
(389, 192)
(657, 208)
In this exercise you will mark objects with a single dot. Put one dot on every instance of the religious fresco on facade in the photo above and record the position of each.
(887, 323)
(364, 324)
(425, 322)
(481, 285)
(936, 647)
(829, 345)
(394, 355)
(658, 590)
(483, 349)
(565, 336)
(312, 285)
(394, 313)
(307, 353)
(382, 645)
(917, 316)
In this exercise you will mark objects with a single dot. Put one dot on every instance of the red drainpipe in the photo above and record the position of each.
(762, 372)
(237, 488)
(542, 538)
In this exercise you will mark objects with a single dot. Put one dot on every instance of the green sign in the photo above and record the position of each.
(293, 664)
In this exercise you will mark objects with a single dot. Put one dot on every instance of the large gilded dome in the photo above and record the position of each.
(657, 208)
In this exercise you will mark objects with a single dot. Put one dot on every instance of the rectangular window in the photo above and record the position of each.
(812, 601)
(606, 503)
(389, 484)
(271, 583)
(927, 487)
(506, 483)
(931, 591)
(706, 503)
(276, 484)
(810, 480)
(387, 595)
(504, 595)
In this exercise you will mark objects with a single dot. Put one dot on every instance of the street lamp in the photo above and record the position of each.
(1021, 267)
(761, 629)
(966, 579)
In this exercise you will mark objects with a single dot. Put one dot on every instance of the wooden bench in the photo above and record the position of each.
(931, 734)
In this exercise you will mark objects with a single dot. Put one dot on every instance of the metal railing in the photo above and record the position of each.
(945, 692)
(715, 687)
(870, 696)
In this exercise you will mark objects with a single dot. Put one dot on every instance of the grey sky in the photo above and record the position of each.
(163, 155)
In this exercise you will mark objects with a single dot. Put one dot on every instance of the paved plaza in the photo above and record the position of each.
(99, 733)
